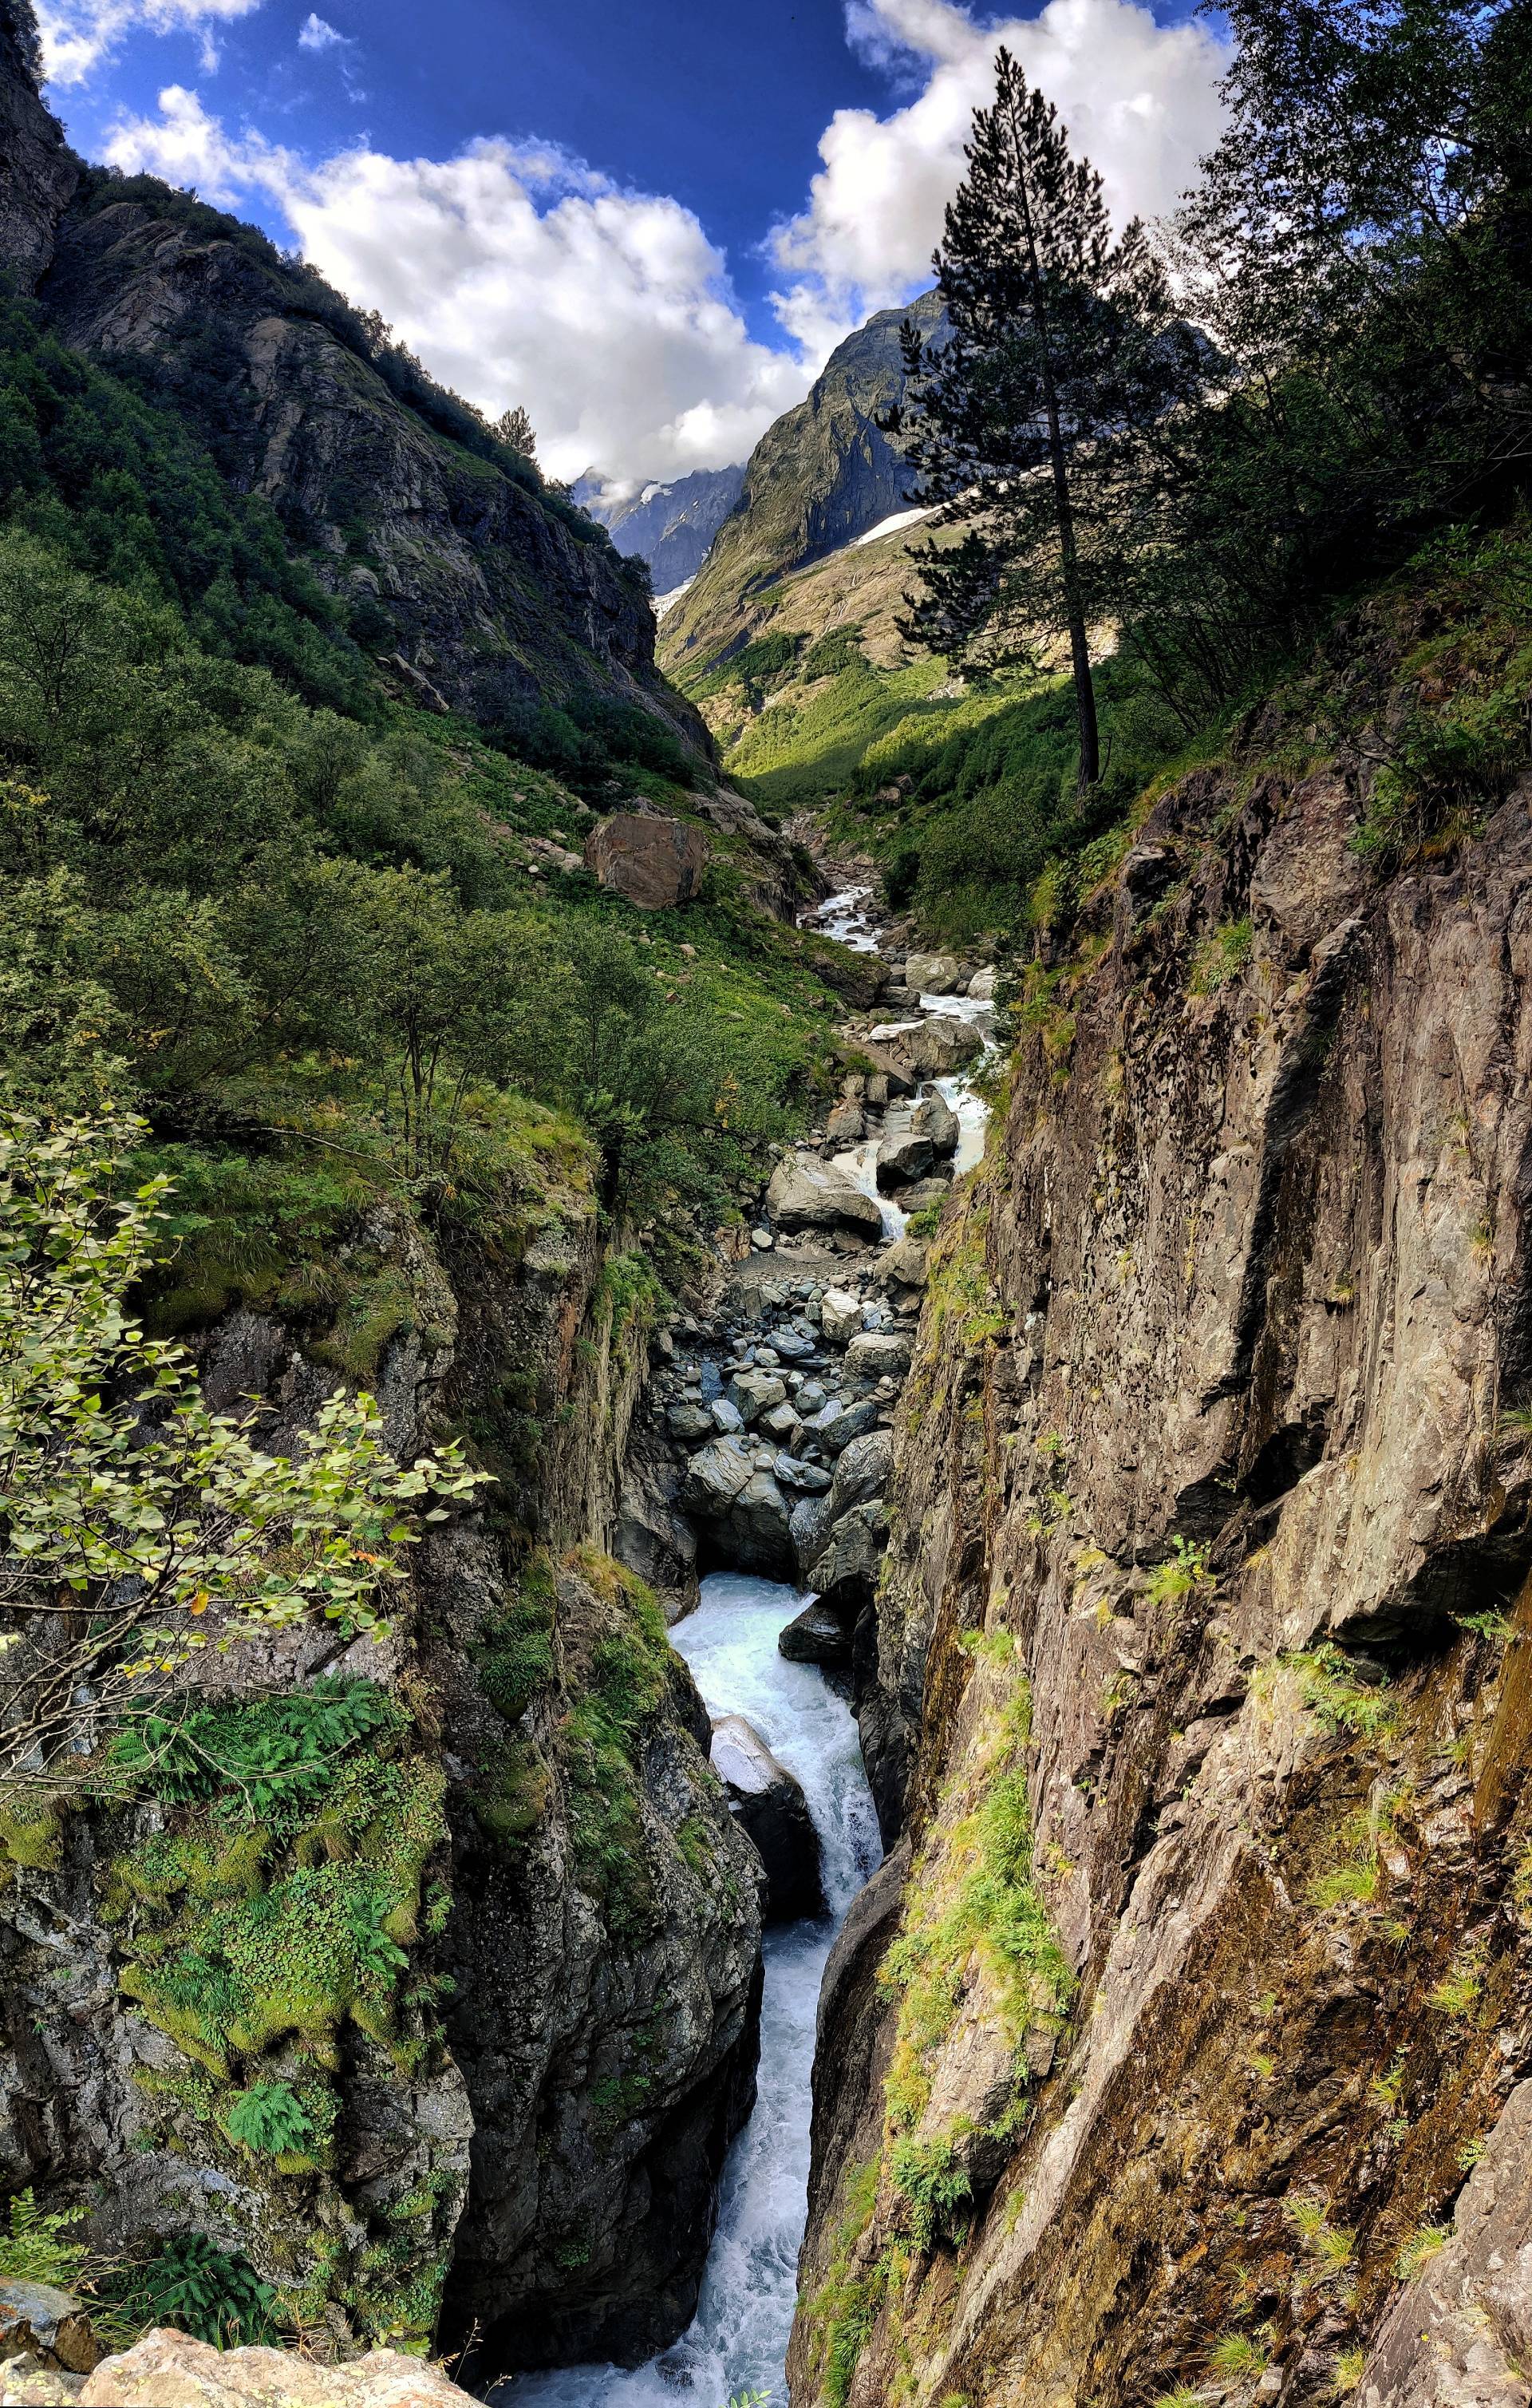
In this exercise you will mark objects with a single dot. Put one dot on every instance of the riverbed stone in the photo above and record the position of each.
(904, 1264)
(904, 1157)
(795, 1472)
(941, 1045)
(804, 1194)
(715, 1477)
(754, 1393)
(935, 973)
(846, 1574)
(782, 1421)
(835, 1431)
(846, 1126)
(877, 1354)
(769, 1802)
(791, 1345)
(933, 1117)
(727, 1416)
(816, 1636)
(841, 1315)
(758, 1527)
(689, 1421)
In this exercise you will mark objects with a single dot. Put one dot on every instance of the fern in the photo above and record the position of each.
(35, 2250)
(268, 2120)
(200, 2289)
(277, 1752)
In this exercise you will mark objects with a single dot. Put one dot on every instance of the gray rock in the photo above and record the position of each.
(808, 1195)
(935, 973)
(816, 1636)
(771, 1806)
(759, 1527)
(926, 1192)
(982, 984)
(791, 1345)
(846, 1126)
(836, 1430)
(903, 1158)
(811, 1397)
(754, 1393)
(782, 1421)
(689, 1421)
(933, 1117)
(813, 1519)
(879, 1355)
(715, 1478)
(792, 1471)
(904, 1264)
(841, 1315)
(862, 1471)
(846, 1574)
(940, 1046)
(727, 1415)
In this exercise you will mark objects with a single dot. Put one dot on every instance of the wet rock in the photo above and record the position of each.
(792, 1471)
(813, 1520)
(905, 1157)
(811, 1397)
(758, 1528)
(656, 863)
(837, 1432)
(754, 1393)
(689, 1421)
(846, 1574)
(808, 1195)
(727, 1415)
(933, 1117)
(654, 1537)
(791, 1345)
(982, 984)
(862, 1469)
(941, 1045)
(816, 1636)
(879, 1355)
(771, 1806)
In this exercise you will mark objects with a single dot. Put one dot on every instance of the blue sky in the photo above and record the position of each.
(650, 224)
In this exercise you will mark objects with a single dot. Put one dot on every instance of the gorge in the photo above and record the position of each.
(921, 1800)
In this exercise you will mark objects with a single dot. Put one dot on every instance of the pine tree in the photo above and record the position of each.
(1024, 412)
(515, 430)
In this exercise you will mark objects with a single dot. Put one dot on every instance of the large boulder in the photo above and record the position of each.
(656, 863)
(862, 1471)
(904, 1264)
(871, 1053)
(934, 973)
(941, 1045)
(715, 1478)
(846, 1574)
(846, 1126)
(904, 1157)
(757, 1529)
(808, 1195)
(838, 1425)
(755, 1393)
(816, 1636)
(877, 1354)
(771, 1806)
(934, 1118)
(170, 2369)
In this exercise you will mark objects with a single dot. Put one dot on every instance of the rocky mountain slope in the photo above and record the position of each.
(1181, 2049)
(822, 475)
(448, 552)
(670, 526)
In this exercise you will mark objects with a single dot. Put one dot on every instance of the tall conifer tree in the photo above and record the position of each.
(1022, 411)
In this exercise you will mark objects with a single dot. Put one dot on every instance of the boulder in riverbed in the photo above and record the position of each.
(771, 1806)
(816, 1636)
(877, 1354)
(904, 1157)
(933, 1117)
(934, 973)
(808, 1195)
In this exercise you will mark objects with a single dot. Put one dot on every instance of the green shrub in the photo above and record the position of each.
(201, 2289)
(270, 2120)
(35, 2248)
(278, 1756)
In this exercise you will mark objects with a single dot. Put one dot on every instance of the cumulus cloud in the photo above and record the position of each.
(315, 34)
(520, 275)
(78, 36)
(1140, 100)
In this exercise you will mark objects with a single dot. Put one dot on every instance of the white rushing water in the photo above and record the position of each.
(739, 2338)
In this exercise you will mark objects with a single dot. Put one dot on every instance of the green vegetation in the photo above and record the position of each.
(201, 2289)
(37, 2247)
(160, 1537)
(1330, 1689)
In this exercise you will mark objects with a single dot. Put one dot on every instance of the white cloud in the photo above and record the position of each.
(78, 35)
(315, 34)
(519, 275)
(1139, 101)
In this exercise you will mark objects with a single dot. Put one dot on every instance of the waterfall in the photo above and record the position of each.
(737, 2341)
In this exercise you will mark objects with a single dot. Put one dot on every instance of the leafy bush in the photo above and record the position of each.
(35, 2248)
(201, 2289)
(276, 1753)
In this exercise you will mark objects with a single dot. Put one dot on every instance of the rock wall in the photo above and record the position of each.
(1202, 1652)
(561, 2039)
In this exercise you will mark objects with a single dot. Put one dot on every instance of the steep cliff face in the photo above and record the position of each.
(670, 526)
(490, 588)
(1202, 1691)
(823, 474)
(499, 1966)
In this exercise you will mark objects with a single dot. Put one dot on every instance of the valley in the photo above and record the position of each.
(766, 1458)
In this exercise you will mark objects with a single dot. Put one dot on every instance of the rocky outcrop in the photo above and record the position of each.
(808, 1195)
(1200, 1692)
(772, 1809)
(606, 1949)
(656, 863)
(170, 2369)
(37, 171)
(670, 526)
